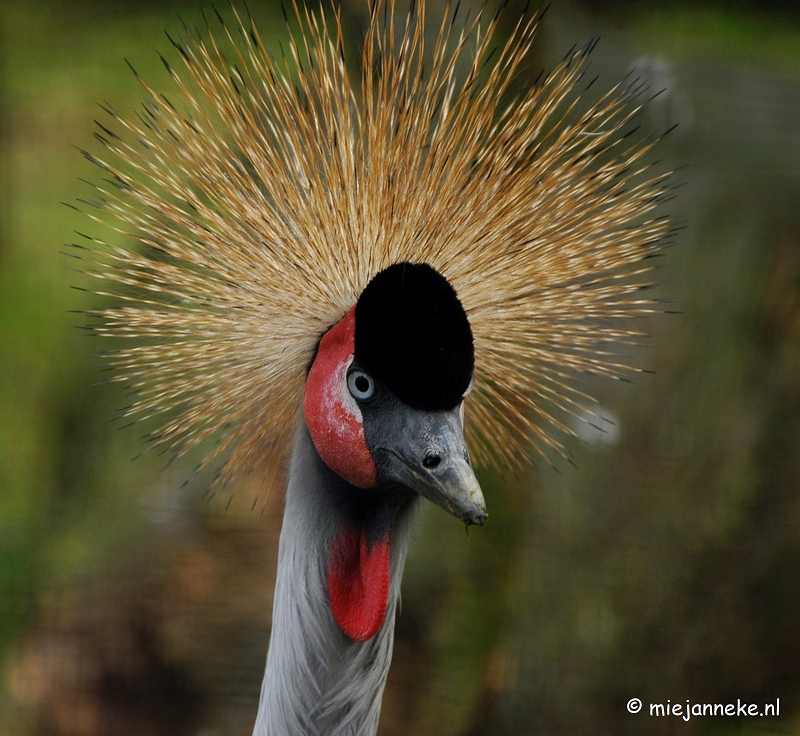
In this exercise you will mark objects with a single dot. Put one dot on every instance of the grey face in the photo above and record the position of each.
(423, 451)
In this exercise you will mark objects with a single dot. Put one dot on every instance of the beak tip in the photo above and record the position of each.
(478, 519)
(473, 513)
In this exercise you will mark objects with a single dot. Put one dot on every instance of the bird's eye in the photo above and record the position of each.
(470, 387)
(361, 385)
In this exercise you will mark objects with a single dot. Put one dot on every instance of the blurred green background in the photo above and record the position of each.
(666, 566)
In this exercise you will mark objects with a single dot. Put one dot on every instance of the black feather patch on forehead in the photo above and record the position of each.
(413, 335)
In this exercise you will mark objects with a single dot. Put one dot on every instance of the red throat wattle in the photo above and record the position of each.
(332, 416)
(358, 581)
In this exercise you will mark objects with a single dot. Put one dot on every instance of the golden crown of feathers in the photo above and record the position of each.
(253, 207)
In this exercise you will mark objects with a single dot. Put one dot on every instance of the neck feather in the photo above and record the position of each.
(319, 681)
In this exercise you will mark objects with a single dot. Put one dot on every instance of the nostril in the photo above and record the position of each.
(431, 461)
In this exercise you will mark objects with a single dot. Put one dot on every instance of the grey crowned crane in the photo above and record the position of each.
(380, 270)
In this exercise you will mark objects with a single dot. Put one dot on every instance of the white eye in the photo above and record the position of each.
(361, 385)
(470, 387)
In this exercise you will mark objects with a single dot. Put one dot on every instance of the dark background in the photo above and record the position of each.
(666, 566)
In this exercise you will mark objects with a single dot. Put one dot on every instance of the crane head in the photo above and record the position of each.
(384, 396)
(274, 197)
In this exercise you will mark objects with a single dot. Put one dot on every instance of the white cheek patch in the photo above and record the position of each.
(348, 403)
(338, 405)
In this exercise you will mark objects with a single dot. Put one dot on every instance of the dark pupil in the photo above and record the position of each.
(362, 384)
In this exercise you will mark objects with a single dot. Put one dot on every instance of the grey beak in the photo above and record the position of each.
(426, 452)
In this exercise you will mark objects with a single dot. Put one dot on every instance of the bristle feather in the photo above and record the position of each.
(260, 212)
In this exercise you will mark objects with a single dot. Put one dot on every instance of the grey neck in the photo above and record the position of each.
(318, 681)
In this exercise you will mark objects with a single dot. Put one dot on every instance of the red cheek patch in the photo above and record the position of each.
(358, 582)
(333, 418)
